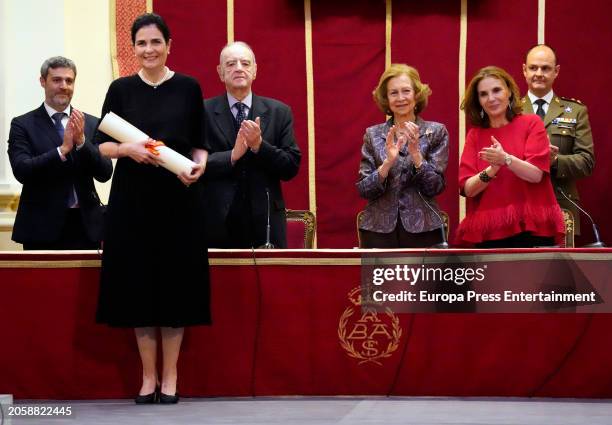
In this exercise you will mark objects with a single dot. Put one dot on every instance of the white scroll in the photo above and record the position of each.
(124, 132)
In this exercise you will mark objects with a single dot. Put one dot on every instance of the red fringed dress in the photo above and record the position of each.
(510, 205)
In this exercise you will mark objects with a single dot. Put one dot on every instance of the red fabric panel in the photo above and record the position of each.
(349, 56)
(579, 35)
(465, 356)
(51, 347)
(126, 12)
(348, 52)
(587, 331)
(281, 71)
(499, 34)
(199, 31)
(440, 22)
(295, 234)
(221, 356)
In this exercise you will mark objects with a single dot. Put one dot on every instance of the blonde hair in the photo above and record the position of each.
(421, 90)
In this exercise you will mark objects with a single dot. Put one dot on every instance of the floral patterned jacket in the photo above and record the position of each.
(399, 193)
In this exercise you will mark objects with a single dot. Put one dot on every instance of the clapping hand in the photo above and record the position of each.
(240, 146)
(77, 122)
(412, 134)
(68, 142)
(396, 140)
(252, 133)
(554, 152)
(494, 154)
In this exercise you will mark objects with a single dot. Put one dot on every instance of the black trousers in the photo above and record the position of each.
(73, 236)
(400, 238)
(522, 240)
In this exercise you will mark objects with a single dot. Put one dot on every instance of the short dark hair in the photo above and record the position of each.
(543, 45)
(147, 19)
(471, 105)
(56, 62)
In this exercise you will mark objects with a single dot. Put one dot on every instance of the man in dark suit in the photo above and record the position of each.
(52, 155)
(566, 120)
(252, 149)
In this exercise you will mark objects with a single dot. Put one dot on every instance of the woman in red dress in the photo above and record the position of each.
(505, 170)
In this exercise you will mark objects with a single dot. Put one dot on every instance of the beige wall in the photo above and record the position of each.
(30, 32)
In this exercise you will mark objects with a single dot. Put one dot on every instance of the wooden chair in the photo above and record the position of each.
(301, 227)
(568, 220)
(443, 214)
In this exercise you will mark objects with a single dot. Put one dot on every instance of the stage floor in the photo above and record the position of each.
(338, 410)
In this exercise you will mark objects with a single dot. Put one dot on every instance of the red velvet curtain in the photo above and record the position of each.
(426, 36)
(580, 35)
(348, 39)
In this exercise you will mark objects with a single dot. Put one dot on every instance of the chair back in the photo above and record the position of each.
(568, 221)
(301, 228)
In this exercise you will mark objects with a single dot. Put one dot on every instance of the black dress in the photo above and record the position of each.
(155, 260)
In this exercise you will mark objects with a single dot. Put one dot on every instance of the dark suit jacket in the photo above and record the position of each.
(277, 159)
(47, 180)
(568, 128)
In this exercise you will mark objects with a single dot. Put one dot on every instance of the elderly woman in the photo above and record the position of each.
(402, 166)
(154, 274)
(504, 170)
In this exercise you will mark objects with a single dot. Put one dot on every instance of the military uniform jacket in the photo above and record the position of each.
(568, 127)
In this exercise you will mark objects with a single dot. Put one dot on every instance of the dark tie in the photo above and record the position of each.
(57, 119)
(540, 111)
(241, 115)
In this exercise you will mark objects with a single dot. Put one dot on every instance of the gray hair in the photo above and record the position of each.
(56, 62)
(236, 43)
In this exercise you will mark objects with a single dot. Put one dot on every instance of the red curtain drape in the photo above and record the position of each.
(348, 41)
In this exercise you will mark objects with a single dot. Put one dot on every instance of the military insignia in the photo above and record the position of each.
(568, 109)
(560, 121)
(571, 99)
(365, 334)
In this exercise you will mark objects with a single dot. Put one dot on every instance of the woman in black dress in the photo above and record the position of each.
(155, 265)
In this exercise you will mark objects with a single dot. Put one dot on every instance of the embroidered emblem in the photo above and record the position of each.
(371, 336)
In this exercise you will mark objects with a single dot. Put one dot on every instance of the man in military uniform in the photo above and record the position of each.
(567, 124)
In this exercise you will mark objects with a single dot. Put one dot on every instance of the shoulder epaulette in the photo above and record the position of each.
(571, 99)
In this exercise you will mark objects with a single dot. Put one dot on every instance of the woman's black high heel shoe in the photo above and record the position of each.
(168, 399)
(148, 398)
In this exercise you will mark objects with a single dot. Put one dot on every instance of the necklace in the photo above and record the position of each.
(167, 75)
